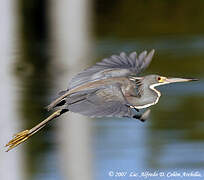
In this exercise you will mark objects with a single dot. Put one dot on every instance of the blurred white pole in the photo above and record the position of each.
(70, 24)
(11, 163)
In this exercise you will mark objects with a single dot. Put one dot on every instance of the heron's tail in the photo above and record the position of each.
(24, 135)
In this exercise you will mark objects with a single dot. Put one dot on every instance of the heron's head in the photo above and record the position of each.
(157, 80)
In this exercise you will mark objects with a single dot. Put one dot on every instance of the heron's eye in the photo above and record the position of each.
(159, 78)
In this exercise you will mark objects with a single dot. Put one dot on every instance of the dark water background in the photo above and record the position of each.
(172, 139)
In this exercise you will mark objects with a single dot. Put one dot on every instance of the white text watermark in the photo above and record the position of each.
(152, 174)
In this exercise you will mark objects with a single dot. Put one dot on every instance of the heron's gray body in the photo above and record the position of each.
(111, 88)
(112, 96)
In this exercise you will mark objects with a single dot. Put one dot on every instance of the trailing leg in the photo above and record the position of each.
(24, 135)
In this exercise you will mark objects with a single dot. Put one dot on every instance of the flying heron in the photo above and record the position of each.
(110, 88)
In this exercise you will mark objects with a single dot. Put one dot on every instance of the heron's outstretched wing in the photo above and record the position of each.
(114, 66)
(104, 102)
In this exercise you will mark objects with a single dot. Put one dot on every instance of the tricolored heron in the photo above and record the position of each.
(110, 88)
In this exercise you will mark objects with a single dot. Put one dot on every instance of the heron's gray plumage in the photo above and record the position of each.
(111, 88)
(139, 89)
(115, 66)
(103, 102)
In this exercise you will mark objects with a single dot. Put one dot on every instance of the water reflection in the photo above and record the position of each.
(11, 165)
(33, 77)
(72, 41)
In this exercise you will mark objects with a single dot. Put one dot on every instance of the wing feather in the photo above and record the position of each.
(104, 102)
(115, 66)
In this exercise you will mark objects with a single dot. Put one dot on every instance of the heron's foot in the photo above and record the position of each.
(143, 117)
(18, 139)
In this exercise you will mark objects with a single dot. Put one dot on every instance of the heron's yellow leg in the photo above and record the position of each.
(24, 135)
(18, 139)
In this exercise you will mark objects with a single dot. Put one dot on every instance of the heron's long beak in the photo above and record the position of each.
(174, 80)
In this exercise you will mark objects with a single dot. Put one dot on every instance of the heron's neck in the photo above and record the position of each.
(150, 97)
(152, 87)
